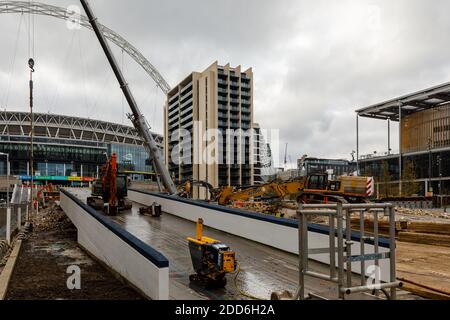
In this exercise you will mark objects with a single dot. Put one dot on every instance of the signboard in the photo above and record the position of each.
(57, 178)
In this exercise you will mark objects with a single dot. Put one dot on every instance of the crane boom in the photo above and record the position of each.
(136, 117)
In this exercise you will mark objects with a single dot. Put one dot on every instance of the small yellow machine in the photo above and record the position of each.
(211, 260)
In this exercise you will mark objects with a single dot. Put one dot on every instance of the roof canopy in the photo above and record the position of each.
(411, 103)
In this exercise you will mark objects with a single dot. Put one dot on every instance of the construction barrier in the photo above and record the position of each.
(142, 266)
(279, 233)
(11, 221)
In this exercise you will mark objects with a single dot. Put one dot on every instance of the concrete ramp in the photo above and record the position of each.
(142, 266)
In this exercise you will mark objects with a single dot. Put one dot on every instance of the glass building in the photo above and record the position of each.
(424, 142)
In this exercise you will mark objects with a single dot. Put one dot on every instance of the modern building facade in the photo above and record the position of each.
(424, 158)
(219, 98)
(69, 149)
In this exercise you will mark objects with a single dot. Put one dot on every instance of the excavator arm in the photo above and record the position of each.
(271, 190)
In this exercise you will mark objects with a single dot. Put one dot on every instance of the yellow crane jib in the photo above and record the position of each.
(211, 260)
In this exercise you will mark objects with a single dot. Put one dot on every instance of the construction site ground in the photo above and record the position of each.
(41, 269)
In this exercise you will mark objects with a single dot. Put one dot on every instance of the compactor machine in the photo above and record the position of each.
(211, 259)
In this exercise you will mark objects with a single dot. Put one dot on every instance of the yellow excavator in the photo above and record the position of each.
(312, 189)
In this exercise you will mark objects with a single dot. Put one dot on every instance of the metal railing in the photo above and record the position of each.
(340, 245)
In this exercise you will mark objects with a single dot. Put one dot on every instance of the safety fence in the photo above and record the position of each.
(11, 221)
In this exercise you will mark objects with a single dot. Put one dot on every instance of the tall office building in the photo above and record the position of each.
(219, 98)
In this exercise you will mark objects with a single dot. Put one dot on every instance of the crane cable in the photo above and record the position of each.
(12, 65)
(31, 31)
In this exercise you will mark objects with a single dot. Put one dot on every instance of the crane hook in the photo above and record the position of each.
(31, 64)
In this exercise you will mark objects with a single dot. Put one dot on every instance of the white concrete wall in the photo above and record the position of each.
(117, 254)
(271, 234)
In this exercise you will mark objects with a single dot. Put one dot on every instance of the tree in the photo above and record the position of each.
(409, 186)
(385, 179)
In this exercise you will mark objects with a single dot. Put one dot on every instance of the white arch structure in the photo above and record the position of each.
(62, 13)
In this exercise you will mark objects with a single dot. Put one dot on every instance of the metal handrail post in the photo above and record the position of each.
(339, 218)
(392, 243)
(362, 244)
(301, 253)
(332, 247)
(348, 246)
(377, 236)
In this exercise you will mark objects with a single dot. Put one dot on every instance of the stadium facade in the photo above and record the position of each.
(69, 150)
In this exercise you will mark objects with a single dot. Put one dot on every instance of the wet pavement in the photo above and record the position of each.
(263, 269)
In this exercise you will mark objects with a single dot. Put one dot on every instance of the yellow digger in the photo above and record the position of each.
(312, 189)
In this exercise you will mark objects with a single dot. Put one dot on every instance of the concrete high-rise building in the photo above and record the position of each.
(219, 98)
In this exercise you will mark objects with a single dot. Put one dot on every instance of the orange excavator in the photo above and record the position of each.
(110, 189)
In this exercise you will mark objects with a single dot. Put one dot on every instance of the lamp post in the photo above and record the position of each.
(7, 177)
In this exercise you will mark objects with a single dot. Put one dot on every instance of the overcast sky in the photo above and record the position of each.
(315, 62)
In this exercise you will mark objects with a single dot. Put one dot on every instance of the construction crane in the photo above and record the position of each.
(311, 189)
(136, 117)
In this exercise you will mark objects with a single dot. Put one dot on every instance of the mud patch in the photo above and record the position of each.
(41, 270)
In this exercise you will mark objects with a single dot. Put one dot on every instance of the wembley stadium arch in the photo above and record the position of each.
(37, 8)
(71, 149)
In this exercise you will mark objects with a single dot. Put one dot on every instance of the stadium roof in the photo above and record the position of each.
(416, 102)
(68, 128)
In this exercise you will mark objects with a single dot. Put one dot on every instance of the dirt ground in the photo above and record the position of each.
(41, 269)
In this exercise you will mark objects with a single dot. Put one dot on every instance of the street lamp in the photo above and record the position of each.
(7, 177)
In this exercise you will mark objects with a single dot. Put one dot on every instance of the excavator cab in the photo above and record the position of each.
(317, 182)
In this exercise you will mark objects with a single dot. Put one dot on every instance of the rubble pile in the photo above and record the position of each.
(422, 213)
(52, 219)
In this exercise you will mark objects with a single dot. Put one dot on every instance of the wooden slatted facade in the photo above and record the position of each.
(427, 129)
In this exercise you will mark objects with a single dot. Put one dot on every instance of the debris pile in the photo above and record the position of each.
(423, 213)
(52, 219)
(5, 250)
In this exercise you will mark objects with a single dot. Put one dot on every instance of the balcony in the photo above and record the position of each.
(173, 99)
(223, 115)
(222, 90)
(173, 127)
(187, 103)
(186, 90)
(223, 99)
(173, 107)
(173, 121)
(223, 124)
